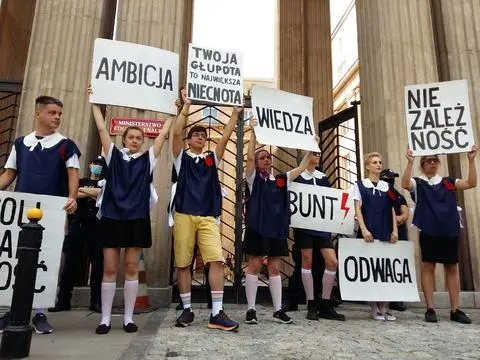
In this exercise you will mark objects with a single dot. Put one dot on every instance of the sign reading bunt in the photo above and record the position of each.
(215, 76)
(321, 208)
(283, 119)
(438, 118)
(377, 271)
(151, 128)
(13, 210)
(134, 75)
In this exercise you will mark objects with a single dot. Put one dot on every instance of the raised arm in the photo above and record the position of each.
(160, 140)
(227, 132)
(177, 141)
(251, 149)
(7, 178)
(407, 174)
(294, 173)
(471, 181)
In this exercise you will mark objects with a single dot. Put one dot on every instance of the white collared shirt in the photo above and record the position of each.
(46, 142)
(177, 162)
(382, 187)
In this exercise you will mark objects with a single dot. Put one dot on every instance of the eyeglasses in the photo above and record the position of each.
(316, 153)
(200, 135)
(431, 161)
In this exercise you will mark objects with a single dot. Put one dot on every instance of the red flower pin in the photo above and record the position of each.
(391, 195)
(62, 152)
(280, 182)
(448, 185)
(208, 161)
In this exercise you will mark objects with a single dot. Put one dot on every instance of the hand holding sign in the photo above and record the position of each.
(471, 154)
(409, 156)
(367, 235)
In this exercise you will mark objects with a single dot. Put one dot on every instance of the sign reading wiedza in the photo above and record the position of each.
(134, 75)
(377, 271)
(283, 119)
(321, 208)
(215, 76)
(438, 118)
(13, 209)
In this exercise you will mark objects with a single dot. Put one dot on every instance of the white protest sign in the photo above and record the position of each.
(283, 119)
(438, 118)
(215, 76)
(321, 208)
(134, 75)
(13, 210)
(377, 271)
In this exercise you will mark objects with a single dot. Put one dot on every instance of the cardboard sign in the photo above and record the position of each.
(151, 128)
(283, 119)
(438, 118)
(215, 76)
(377, 271)
(134, 75)
(13, 210)
(321, 208)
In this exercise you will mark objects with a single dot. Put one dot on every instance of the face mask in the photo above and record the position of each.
(96, 169)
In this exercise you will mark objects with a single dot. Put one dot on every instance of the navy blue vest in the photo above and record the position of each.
(127, 192)
(377, 211)
(268, 211)
(44, 171)
(402, 229)
(198, 188)
(319, 182)
(436, 210)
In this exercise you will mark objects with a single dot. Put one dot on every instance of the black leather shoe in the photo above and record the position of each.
(130, 328)
(95, 308)
(60, 307)
(102, 329)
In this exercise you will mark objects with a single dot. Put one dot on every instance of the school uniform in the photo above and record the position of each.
(376, 201)
(41, 163)
(437, 218)
(267, 215)
(397, 206)
(305, 238)
(125, 200)
(198, 204)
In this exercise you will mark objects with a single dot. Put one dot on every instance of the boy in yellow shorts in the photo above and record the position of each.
(198, 202)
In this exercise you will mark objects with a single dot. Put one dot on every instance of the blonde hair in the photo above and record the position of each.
(368, 157)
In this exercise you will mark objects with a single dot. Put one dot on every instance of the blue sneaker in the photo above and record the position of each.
(222, 322)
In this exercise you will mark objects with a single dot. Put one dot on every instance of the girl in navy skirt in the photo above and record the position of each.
(374, 200)
(437, 218)
(267, 225)
(125, 213)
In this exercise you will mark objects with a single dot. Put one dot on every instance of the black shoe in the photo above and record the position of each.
(431, 316)
(95, 308)
(60, 306)
(179, 306)
(186, 318)
(326, 310)
(398, 306)
(282, 317)
(41, 324)
(102, 329)
(130, 328)
(312, 310)
(460, 316)
(251, 317)
(4, 321)
(289, 306)
(222, 322)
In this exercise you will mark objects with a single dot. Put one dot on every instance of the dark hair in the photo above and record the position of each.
(125, 133)
(47, 100)
(425, 157)
(196, 128)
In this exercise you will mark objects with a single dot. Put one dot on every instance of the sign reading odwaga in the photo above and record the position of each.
(377, 271)
(134, 75)
(13, 209)
(283, 119)
(438, 118)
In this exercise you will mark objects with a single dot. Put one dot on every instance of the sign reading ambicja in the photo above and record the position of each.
(151, 128)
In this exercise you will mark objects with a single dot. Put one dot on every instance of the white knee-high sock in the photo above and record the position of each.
(307, 280)
(327, 283)
(251, 285)
(108, 293)
(130, 290)
(275, 285)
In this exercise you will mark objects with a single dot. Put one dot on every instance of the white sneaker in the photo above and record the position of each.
(390, 317)
(378, 316)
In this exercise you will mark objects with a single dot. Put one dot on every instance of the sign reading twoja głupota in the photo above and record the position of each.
(215, 76)
(134, 75)
(438, 118)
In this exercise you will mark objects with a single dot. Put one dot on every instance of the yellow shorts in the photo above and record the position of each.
(203, 230)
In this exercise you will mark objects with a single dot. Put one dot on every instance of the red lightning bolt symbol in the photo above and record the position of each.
(344, 206)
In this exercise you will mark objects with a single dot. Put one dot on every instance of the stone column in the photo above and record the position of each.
(396, 48)
(59, 65)
(161, 24)
(458, 44)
